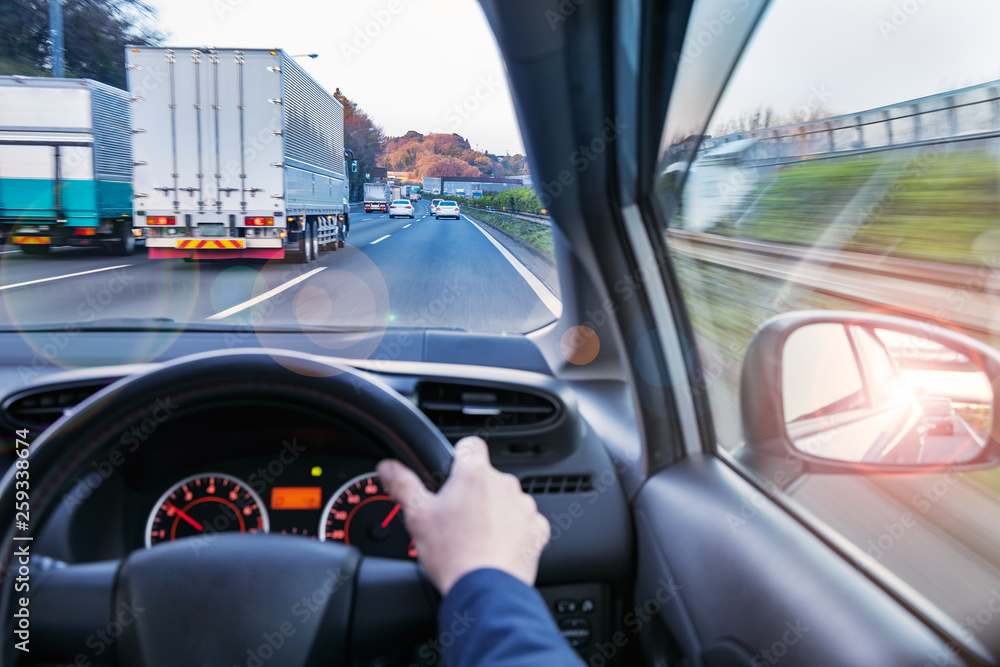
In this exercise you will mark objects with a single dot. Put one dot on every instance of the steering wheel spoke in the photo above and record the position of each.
(285, 600)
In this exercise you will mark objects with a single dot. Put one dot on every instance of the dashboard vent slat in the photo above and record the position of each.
(553, 484)
(40, 407)
(456, 407)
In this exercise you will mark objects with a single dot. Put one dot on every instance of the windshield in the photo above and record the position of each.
(158, 184)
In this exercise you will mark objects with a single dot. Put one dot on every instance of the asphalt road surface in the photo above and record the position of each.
(422, 273)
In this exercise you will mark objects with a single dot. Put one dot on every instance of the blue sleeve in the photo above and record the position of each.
(492, 618)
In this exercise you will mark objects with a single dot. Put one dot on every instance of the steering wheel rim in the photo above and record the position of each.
(89, 431)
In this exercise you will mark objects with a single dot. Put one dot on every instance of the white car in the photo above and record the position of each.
(447, 209)
(401, 207)
(434, 205)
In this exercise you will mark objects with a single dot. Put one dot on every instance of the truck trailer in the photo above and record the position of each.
(238, 153)
(377, 197)
(65, 165)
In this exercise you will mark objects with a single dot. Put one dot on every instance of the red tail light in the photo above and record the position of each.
(161, 220)
(259, 221)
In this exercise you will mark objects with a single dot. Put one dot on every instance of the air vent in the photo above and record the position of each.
(551, 484)
(39, 408)
(461, 407)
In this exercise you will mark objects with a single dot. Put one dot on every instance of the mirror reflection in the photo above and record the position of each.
(869, 395)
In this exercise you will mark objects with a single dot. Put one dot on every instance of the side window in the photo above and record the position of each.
(851, 170)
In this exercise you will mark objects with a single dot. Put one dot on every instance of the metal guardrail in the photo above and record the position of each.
(946, 294)
(531, 217)
(965, 113)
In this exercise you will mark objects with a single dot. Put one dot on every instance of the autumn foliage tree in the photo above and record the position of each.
(95, 35)
(447, 155)
(364, 138)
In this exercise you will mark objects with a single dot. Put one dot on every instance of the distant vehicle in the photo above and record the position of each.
(434, 205)
(376, 197)
(460, 192)
(939, 415)
(203, 188)
(436, 191)
(414, 197)
(447, 209)
(66, 150)
(401, 207)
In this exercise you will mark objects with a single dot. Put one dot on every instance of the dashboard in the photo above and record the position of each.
(254, 467)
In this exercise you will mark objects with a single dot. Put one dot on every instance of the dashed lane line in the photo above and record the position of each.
(68, 275)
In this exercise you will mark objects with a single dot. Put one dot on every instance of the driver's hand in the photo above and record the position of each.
(479, 519)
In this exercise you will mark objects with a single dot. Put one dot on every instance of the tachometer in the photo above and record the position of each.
(205, 504)
(362, 514)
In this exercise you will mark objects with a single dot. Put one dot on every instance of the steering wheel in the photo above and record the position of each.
(238, 599)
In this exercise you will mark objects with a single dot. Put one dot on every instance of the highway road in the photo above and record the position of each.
(422, 273)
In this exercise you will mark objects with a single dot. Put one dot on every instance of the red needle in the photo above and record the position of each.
(391, 514)
(186, 517)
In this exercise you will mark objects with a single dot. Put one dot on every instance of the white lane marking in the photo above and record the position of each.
(68, 275)
(550, 300)
(407, 225)
(266, 295)
(7, 252)
(380, 240)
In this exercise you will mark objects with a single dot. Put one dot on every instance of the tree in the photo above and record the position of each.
(364, 138)
(95, 35)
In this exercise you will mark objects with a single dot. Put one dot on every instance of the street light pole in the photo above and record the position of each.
(56, 35)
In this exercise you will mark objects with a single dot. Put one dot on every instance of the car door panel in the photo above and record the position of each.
(747, 584)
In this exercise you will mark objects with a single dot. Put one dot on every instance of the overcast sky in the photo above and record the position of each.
(378, 57)
(850, 55)
(863, 54)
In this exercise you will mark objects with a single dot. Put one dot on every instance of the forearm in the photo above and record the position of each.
(492, 618)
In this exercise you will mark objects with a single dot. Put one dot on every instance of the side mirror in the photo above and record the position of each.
(354, 166)
(847, 392)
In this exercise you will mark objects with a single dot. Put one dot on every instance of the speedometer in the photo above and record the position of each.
(205, 504)
(362, 514)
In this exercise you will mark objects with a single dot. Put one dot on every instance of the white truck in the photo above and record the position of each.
(377, 197)
(237, 153)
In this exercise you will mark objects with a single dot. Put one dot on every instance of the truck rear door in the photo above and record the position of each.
(151, 86)
(257, 170)
(212, 133)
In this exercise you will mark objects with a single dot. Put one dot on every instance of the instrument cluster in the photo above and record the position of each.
(325, 499)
